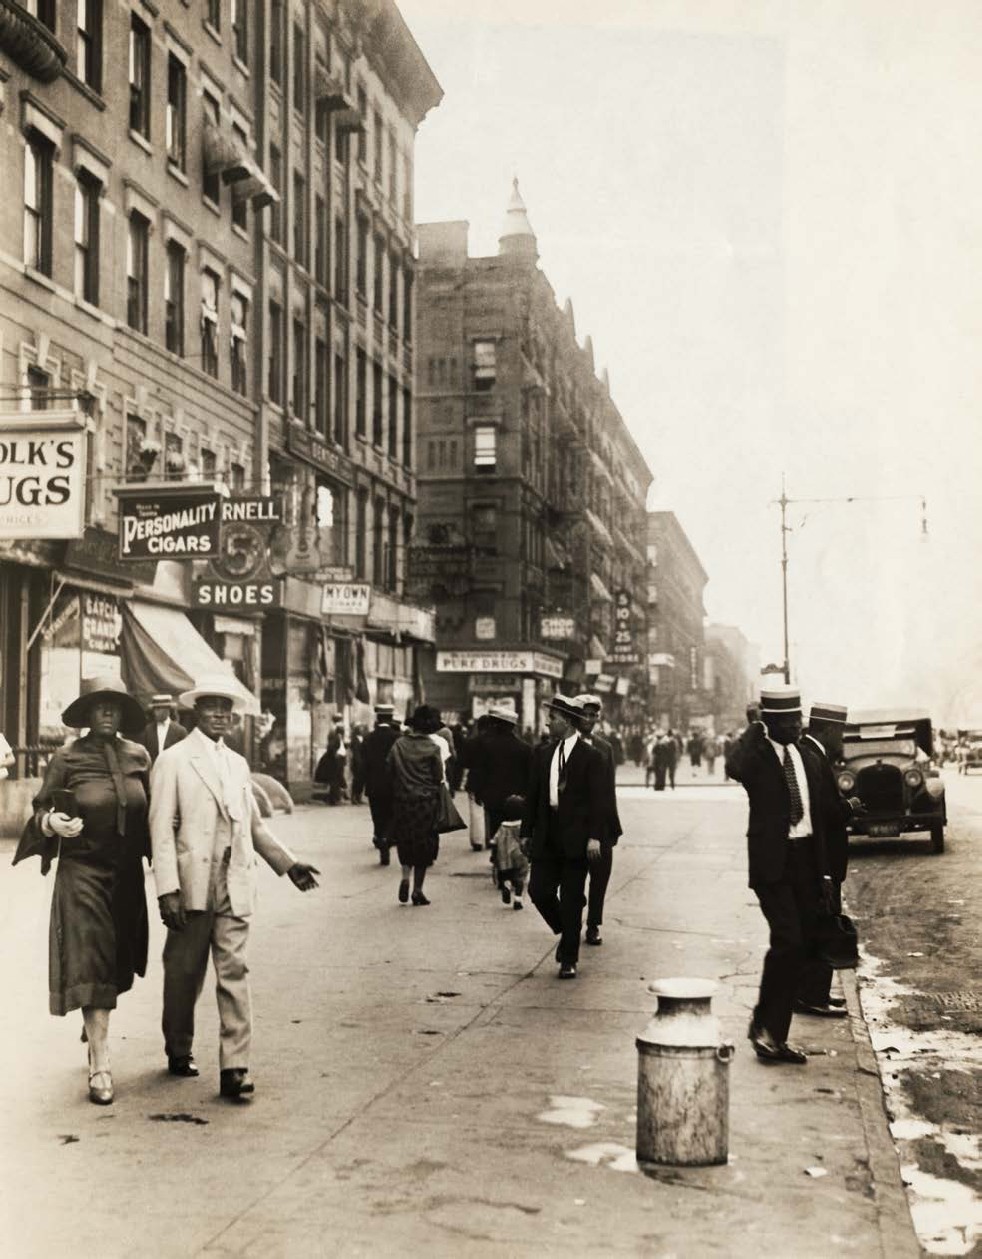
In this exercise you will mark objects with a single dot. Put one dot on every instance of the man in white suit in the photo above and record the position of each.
(205, 831)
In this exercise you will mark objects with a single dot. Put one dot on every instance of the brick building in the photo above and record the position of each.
(206, 251)
(675, 584)
(531, 488)
(732, 675)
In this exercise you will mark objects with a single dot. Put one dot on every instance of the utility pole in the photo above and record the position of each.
(784, 500)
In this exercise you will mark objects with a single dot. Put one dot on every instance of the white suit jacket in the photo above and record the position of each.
(186, 802)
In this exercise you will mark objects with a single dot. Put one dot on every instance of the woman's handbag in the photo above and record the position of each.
(447, 818)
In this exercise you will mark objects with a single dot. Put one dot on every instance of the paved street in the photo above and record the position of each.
(426, 1085)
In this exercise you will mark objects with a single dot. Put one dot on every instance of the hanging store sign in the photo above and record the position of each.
(169, 522)
(626, 650)
(245, 595)
(604, 682)
(346, 598)
(478, 684)
(239, 575)
(499, 662)
(558, 627)
(42, 475)
(102, 624)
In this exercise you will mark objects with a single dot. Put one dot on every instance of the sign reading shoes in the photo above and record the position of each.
(169, 522)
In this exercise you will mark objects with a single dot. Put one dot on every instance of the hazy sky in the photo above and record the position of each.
(768, 217)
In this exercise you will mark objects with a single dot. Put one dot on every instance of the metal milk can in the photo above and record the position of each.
(683, 1078)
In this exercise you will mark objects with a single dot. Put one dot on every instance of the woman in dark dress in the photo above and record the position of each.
(91, 812)
(416, 771)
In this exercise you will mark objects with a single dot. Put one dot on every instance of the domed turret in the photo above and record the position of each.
(517, 238)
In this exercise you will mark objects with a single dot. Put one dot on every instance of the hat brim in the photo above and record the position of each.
(503, 714)
(133, 719)
(189, 698)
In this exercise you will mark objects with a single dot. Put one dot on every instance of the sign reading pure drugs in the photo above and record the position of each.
(42, 475)
(169, 522)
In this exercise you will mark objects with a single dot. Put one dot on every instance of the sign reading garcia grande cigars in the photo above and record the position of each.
(42, 475)
(176, 522)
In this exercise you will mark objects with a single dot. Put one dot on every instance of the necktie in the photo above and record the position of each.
(119, 784)
(562, 765)
(791, 778)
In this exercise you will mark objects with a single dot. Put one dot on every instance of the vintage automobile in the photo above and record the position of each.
(968, 750)
(887, 762)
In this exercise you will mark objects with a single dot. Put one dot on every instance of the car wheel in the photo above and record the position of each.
(937, 837)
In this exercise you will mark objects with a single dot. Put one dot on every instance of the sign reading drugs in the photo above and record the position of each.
(42, 475)
(169, 522)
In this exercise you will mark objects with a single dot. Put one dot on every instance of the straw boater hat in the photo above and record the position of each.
(503, 714)
(105, 687)
(385, 710)
(786, 699)
(829, 714)
(565, 706)
(587, 700)
(223, 685)
(160, 699)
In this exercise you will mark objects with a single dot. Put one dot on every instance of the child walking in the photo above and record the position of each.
(510, 862)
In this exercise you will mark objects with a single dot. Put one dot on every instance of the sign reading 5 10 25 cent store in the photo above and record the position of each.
(42, 475)
(169, 522)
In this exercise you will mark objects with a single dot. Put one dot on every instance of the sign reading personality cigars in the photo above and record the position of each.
(169, 522)
(42, 475)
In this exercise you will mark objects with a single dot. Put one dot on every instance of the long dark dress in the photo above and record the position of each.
(416, 769)
(98, 933)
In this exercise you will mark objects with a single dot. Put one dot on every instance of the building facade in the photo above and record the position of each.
(732, 676)
(206, 256)
(675, 584)
(531, 489)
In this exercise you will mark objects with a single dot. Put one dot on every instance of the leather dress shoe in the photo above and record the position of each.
(181, 1064)
(838, 1001)
(768, 1049)
(593, 936)
(235, 1083)
(567, 971)
(828, 1011)
(101, 1090)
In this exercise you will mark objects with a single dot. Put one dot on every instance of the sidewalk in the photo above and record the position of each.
(425, 1084)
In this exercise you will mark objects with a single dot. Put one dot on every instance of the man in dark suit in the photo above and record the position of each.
(600, 870)
(785, 843)
(822, 744)
(162, 731)
(502, 761)
(378, 786)
(565, 818)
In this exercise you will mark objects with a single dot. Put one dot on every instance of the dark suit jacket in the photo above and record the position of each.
(753, 764)
(835, 811)
(582, 805)
(501, 762)
(612, 825)
(378, 782)
(175, 733)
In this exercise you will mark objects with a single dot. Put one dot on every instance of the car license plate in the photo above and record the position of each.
(880, 830)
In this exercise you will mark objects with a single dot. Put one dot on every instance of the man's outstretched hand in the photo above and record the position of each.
(302, 876)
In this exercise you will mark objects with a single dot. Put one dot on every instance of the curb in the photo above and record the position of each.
(898, 1238)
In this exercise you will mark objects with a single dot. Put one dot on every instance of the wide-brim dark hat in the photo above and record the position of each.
(837, 943)
(105, 687)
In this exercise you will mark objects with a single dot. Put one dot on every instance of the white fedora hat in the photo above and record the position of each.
(502, 713)
(224, 685)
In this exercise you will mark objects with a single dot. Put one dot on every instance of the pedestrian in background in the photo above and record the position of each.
(91, 813)
(378, 784)
(163, 730)
(710, 751)
(472, 764)
(695, 748)
(331, 767)
(503, 761)
(600, 870)
(415, 767)
(357, 747)
(511, 863)
(784, 792)
(206, 833)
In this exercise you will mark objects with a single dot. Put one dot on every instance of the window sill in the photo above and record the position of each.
(39, 277)
(88, 91)
(216, 36)
(241, 232)
(211, 205)
(241, 66)
(141, 141)
(90, 308)
(174, 170)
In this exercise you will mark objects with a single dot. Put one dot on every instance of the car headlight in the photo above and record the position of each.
(847, 782)
(913, 778)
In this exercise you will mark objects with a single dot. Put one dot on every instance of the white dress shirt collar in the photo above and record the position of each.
(567, 745)
(804, 827)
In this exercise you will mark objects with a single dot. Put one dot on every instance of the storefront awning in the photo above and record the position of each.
(600, 591)
(162, 651)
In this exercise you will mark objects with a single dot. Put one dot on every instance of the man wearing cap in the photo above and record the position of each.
(565, 818)
(600, 870)
(505, 763)
(163, 731)
(785, 846)
(205, 831)
(823, 745)
(378, 783)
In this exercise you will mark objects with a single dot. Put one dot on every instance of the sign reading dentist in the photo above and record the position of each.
(42, 475)
(169, 522)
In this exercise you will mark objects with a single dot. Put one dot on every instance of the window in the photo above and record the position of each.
(393, 417)
(174, 463)
(407, 429)
(392, 566)
(88, 43)
(361, 260)
(407, 305)
(321, 112)
(299, 216)
(484, 528)
(378, 137)
(87, 192)
(174, 298)
(361, 533)
(237, 476)
(299, 69)
(276, 41)
(485, 448)
(177, 97)
(240, 29)
(240, 205)
(378, 557)
(299, 400)
(43, 10)
(407, 189)
(209, 322)
(39, 383)
(239, 308)
(321, 399)
(211, 183)
(276, 179)
(394, 292)
(137, 262)
(485, 367)
(139, 77)
(393, 168)
(377, 404)
(213, 13)
(361, 389)
(274, 376)
(320, 242)
(38, 156)
(340, 400)
(340, 145)
(379, 272)
(362, 134)
(209, 464)
(340, 261)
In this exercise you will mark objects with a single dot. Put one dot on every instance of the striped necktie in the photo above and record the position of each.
(794, 791)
